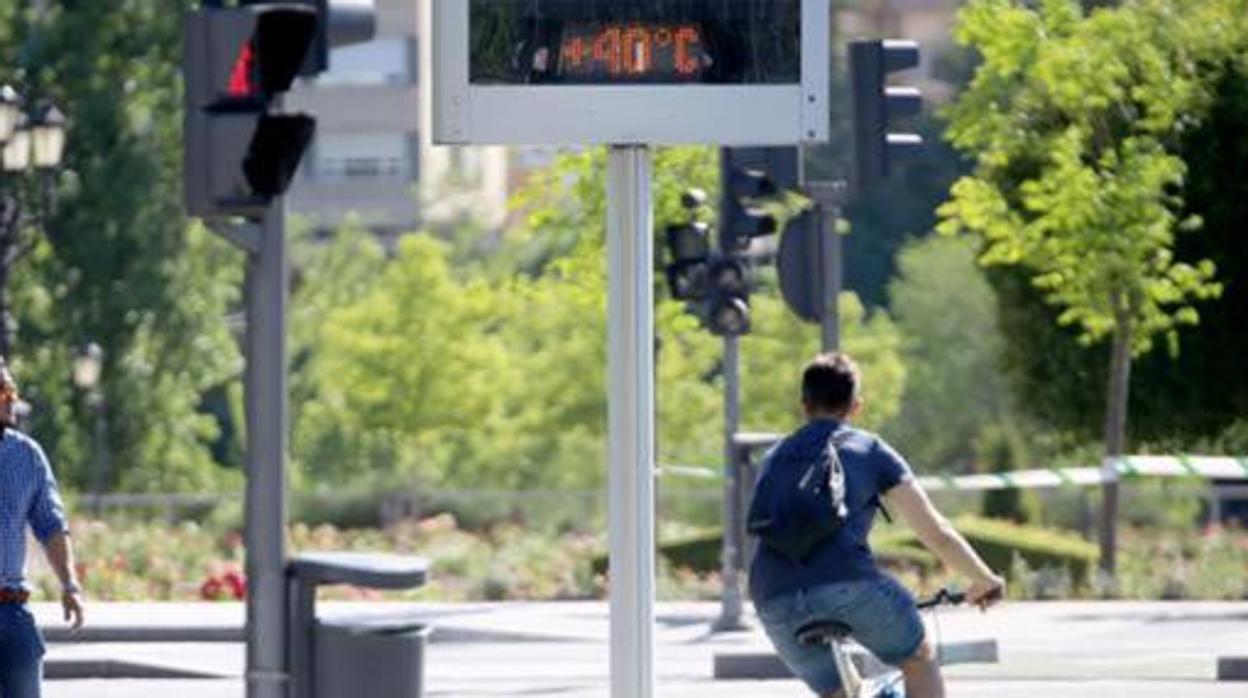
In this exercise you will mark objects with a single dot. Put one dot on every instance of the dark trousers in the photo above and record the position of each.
(21, 653)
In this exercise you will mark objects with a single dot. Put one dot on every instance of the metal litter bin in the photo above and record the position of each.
(337, 658)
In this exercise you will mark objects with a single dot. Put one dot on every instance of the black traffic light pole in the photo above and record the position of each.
(266, 293)
(829, 199)
(240, 151)
(267, 290)
(732, 558)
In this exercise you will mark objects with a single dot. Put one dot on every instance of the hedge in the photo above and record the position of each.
(897, 547)
(701, 553)
(998, 541)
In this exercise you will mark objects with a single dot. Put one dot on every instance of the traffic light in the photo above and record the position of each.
(340, 23)
(746, 176)
(877, 106)
(239, 154)
(728, 309)
(689, 251)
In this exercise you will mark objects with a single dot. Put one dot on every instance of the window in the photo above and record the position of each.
(381, 62)
(375, 156)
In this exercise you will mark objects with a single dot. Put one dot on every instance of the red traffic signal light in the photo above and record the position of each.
(238, 154)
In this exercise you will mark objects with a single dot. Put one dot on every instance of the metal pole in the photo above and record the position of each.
(731, 556)
(631, 421)
(266, 461)
(829, 197)
(831, 244)
(99, 464)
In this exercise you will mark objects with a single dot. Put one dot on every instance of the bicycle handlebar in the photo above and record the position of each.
(945, 597)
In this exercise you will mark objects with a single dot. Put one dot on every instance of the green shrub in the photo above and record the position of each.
(999, 542)
(700, 553)
(1000, 449)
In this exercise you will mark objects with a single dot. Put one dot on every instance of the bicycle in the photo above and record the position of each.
(834, 635)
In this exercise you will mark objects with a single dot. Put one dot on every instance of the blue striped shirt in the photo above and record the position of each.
(28, 495)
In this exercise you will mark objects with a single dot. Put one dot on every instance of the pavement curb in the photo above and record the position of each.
(442, 634)
(141, 634)
(759, 666)
(78, 669)
(1232, 668)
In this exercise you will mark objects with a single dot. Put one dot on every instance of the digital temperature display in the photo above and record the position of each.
(606, 42)
(633, 52)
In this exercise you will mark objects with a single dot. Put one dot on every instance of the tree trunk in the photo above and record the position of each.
(1115, 434)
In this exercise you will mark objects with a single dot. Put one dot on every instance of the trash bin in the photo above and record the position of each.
(336, 658)
(390, 655)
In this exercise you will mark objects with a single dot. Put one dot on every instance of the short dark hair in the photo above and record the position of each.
(831, 382)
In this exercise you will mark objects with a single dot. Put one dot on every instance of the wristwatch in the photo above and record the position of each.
(72, 588)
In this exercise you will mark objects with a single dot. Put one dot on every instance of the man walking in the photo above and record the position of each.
(819, 566)
(28, 496)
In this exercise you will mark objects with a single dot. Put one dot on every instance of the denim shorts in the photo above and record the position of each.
(880, 612)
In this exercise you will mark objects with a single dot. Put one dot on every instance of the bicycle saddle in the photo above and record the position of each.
(822, 632)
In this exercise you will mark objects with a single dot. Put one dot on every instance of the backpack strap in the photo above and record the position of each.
(837, 439)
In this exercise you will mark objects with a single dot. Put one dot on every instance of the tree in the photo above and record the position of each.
(120, 265)
(1074, 122)
(946, 313)
(1195, 395)
(456, 375)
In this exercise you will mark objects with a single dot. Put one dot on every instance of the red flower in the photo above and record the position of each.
(212, 589)
(237, 584)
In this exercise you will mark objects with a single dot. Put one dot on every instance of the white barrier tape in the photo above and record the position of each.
(1205, 467)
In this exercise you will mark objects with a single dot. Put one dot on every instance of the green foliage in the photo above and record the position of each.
(1172, 505)
(119, 265)
(897, 212)
(773, 356)
(999, 542)
(423, 373)
(702, 553)
(1198, 392)
(945, 310)
(1074, 123)
(1001, 450)
(1184, 565)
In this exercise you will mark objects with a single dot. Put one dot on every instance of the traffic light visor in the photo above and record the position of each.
(282, 40)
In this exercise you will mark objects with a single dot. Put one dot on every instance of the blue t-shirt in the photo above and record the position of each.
(872, 468)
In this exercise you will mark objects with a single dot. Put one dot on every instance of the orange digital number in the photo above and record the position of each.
(687, 42)
(607, 50)
(574, 52)
(638, 50)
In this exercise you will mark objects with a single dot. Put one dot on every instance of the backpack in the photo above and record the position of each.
(799, 501)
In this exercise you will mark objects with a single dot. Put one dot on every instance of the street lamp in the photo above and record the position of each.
(10, 110)
(88, 366)
(16, 153)
(47, 136)
(29, 142)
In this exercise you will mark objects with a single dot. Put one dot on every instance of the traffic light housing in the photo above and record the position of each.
(238, 154)
(749, 174)
(689, 251)
(339, 23)
(877, 106)
(728, 308)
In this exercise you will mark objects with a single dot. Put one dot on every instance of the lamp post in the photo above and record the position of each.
(30, 142)
(88, 365)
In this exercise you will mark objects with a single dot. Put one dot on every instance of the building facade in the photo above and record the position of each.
(371, 162)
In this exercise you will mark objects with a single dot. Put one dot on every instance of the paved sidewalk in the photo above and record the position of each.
(1072, 650)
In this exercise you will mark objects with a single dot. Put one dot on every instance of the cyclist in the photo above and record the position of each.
(840, 580)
